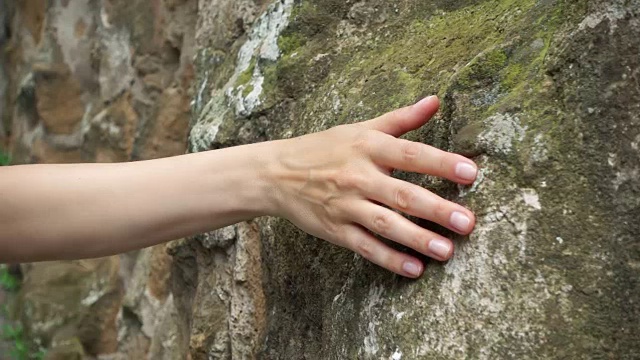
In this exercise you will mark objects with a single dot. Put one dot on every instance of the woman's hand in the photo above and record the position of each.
(331, 184)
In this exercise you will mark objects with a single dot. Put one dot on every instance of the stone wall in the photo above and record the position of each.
(97, 81)
(543, 95)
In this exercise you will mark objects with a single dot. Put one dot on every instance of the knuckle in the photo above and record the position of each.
(442, 160)
(443, 164)
(335, 209)
(381, 223)
(364, 142)
(364, 247)
(420, 243)
(441, 210)
(336, 231)
(351, 179)
(410, 150)
(405, 197)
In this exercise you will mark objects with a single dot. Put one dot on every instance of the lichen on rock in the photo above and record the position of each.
(517, 83)
(543, 95)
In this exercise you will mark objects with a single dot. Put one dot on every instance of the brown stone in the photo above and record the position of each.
(66, 349)
(65, 299)
(168, 135)
(159, 273)
(33, 15)
(45, 153)
(80, 29)
(98, 330)
(113, 131)
(59, 98)
(76, 95)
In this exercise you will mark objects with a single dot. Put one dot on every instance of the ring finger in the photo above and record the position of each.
(362, 242)
(396, 227)
(418, 201)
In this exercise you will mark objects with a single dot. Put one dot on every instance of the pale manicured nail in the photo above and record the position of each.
(428, 98)
(466, 171)
(440, 248)
(411, 268)
(460, 221)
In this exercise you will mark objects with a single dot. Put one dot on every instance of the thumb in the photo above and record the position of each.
(403, 120)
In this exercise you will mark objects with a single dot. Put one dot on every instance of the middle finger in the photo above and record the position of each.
(418, 201)
(396, 227)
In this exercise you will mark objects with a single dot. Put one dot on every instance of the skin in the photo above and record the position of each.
(335, 185)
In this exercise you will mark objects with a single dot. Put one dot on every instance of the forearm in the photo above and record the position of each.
(91, 210)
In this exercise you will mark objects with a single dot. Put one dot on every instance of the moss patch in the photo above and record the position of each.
(483, 70)
(246, 75)
(289, 42)
(247, 90)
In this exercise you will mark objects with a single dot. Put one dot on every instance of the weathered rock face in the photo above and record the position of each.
(542, 94)
(97, 81)
(73, 302)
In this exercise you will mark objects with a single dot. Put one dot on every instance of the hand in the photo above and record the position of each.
(331, 184)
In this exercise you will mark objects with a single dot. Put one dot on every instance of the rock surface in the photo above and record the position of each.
(97, 81)
(543, 94)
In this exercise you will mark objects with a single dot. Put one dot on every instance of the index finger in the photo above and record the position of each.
(403, 120)
(417, 157)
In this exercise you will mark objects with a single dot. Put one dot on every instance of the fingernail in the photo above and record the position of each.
(466, 171)
(411, 268)
(440, 248)
(428, 98)
(460, 221)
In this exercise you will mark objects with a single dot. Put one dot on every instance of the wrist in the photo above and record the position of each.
(250, 178)
(265, 168)
(233, 184)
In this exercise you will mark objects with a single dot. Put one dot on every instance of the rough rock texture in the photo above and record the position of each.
(219, 295)
(97, 81)
(66, 302)
(542, 94)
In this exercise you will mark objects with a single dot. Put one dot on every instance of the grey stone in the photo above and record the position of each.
(543, 95)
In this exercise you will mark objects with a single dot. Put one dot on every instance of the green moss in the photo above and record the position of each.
(429, 52)
(288, 43)
(270, 93)
(484, 69)
(246, 75)
(311, 18)
(304, 8)
(219, 66)
(512, 76)
(247, 90)
(308, 19)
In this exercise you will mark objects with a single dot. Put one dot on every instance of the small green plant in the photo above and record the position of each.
(7, 280)
(5, 159)
(20, 349)
(15, 334)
